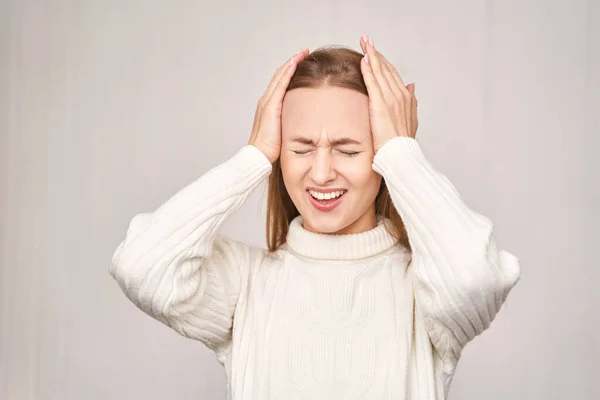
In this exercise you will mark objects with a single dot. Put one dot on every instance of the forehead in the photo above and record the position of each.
(328, 109)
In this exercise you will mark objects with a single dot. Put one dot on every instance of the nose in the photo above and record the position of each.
(322, 171)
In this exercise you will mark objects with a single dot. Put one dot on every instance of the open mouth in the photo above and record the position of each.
(326, 201)
(324, 197)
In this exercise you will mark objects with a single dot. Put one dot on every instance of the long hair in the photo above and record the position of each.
(338, 67)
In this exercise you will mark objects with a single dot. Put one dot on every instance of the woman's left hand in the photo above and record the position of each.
(392, 104)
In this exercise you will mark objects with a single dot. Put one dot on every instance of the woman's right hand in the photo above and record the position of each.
(266, 130)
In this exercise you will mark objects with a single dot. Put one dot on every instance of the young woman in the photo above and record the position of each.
(377, 273)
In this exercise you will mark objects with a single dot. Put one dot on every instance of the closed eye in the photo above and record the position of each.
(346, 153)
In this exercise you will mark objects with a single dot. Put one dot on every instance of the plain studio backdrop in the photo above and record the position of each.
(109, 107)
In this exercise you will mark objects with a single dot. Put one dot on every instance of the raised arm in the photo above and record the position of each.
(173, 266)
(461, 278)
(171, 263)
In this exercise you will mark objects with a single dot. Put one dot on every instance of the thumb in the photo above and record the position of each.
(411, 88)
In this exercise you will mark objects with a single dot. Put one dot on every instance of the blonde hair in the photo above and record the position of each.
(339, 67)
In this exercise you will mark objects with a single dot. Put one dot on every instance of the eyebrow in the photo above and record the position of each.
(337, 142)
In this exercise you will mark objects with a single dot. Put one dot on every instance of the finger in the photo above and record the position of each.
(364, 40)
(395, 76)
(256, 121)
(274, 80)
(414, 104)
(377, 69)
(386, 68)
(411, 89)
(281, 71)
(363, 43)
(370, 81)
(280, 88)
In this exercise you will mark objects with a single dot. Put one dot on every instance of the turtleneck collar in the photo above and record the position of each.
(347, 247)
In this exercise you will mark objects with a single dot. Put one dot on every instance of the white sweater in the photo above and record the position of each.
(327, 316)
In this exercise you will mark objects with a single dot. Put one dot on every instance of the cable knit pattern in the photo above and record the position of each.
(327, 316)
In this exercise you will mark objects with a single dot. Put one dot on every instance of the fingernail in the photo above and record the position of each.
(371, 42)
(365, 38)
(292, 60)
(367, 58)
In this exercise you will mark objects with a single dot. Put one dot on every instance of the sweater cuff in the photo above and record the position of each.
(250, 156)
(399, 150)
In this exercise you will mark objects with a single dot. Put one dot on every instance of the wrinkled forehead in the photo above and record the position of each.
(326, 111)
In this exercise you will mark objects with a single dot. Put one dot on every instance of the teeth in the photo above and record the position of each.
(326, 196)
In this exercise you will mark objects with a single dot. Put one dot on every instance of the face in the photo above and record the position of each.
(326, 158)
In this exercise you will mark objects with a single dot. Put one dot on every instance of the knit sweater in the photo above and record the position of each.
(355, 316)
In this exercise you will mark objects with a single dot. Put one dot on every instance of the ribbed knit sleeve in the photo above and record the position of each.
(461, 278)
(173, 266)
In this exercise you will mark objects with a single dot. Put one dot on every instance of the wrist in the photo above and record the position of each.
(385, 141)
(381, 141)
(265, 151)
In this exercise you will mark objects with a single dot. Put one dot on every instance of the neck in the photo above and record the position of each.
(350, 246)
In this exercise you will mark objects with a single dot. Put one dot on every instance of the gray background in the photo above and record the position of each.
(109, 107)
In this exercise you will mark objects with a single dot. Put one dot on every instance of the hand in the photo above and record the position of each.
(392, 105)
(266, 130)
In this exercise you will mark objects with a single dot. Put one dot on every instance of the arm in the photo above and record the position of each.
(172, 265)
(461, 278)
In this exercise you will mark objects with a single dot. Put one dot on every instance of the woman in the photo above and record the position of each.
(377, 273)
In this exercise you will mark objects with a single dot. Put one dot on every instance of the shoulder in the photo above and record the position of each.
(400, 257)
(400, 254)
(229, 248)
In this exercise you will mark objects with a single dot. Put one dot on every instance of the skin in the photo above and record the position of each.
(304, 127)
(315, 125)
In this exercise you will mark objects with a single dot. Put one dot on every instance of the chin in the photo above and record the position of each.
(328, 223)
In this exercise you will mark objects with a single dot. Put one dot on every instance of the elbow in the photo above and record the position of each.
(498, 273)
(488, 287)
(492, 275)
(489, 269)
(129, 251)
(118, 269)
(122, 268)
(476, 295)
(140, 290)
(510, 270)
(121, 272)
